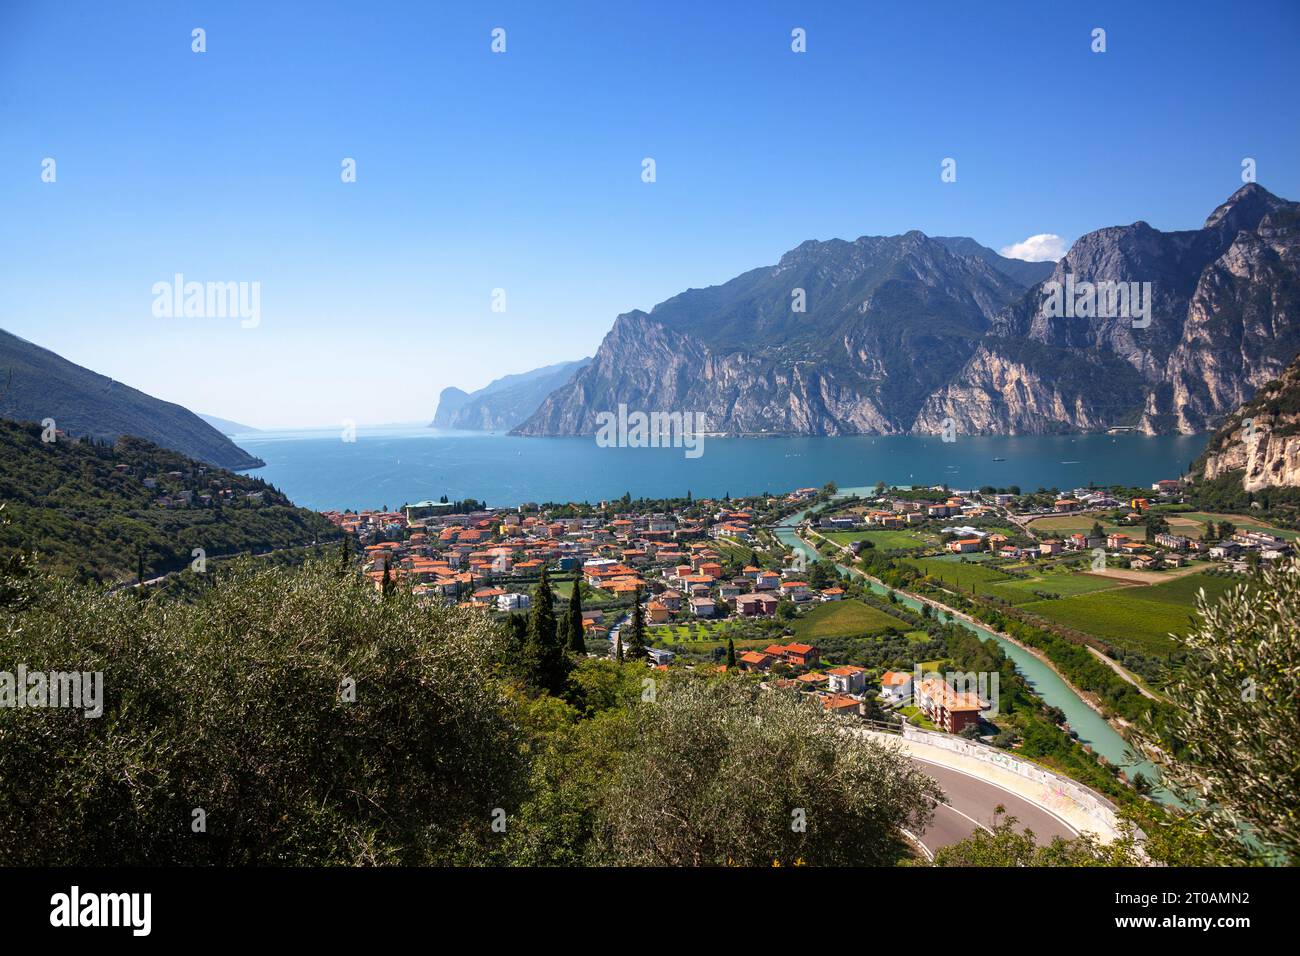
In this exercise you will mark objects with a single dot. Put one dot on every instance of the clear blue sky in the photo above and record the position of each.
(523, 170)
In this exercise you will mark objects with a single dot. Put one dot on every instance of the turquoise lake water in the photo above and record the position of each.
(392, 466)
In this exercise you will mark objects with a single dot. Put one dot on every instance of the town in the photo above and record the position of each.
(728, 583)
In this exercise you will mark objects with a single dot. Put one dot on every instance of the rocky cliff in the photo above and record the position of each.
(836, 338)
(901, 333)
(1261, 439)
(1223, 319)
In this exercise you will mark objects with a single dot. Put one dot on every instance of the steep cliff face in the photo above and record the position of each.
(884, 321)
(903, 333)
(1222, 320)
(1260, 440)
(1243, 324)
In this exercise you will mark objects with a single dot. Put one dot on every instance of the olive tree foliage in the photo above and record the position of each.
(283, 717)
(719, 772)
(1007, 845)
(1236, 718)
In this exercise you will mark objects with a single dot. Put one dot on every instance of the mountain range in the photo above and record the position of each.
(36, 384)
(904, 333)
(503, 403)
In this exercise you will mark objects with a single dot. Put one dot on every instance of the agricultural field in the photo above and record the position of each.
(962, 574)
(1192, 524)
(1063, 525)
(885, 539)
(1134, 618)
(842, 619)
(1065, 584)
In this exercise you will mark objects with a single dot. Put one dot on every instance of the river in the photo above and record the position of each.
(1091, 727)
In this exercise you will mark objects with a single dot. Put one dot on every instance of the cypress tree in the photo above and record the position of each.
(577, 643)
(731, 653)
(636, 649)
(545, 661)
(386, 585)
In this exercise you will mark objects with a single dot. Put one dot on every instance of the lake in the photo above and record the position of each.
(395, 465)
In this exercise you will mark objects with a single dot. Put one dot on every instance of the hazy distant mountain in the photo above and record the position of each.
(1026, 273)
(36, 384)
(901, 333)
(504, 403)
(226, 426)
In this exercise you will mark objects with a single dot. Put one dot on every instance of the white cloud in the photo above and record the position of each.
(1044, 247)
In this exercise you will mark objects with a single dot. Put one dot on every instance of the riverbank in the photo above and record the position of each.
(1118, 724)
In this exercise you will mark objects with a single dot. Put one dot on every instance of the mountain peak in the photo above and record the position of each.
(1245, 208)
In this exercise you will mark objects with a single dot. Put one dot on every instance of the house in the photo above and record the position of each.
(797, 655)
(659, 655)
(946, 707)
(847, 679)
(702, 606)
(755, 661)
(1065, 504)
(1049, 548)
(1175, 542)
(895, 686)
(795, 590)
(1166, 486)
(513, 602)
(767, 581)
(1116, 541)
(756, 605)
(671, 599)
(832, 594)
(656, 613)
(842, 706)
(965, 545)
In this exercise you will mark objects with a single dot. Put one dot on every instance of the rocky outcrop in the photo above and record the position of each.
(1261, 440)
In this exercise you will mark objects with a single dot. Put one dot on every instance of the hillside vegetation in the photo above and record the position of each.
(84, 507)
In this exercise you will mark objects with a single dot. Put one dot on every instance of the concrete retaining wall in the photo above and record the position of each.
(1050, 790)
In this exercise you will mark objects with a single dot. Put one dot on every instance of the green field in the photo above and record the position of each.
(591, 597)
(1063, 525)
(843, 619)
(1240, 521)
(961, 574)
(1066, 585)
(885, 540)
(1134, 618)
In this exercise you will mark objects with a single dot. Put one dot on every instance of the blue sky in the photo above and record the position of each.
(522, 170)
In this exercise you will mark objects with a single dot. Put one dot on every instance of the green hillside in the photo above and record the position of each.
(36, 384)
(84, 507)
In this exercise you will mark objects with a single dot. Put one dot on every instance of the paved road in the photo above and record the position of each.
(971, 801)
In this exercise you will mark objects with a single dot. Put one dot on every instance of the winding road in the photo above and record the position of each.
(971, 804)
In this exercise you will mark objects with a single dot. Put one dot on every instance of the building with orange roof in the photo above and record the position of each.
(946, 707)
(795, 654)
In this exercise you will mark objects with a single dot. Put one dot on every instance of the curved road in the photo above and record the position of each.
(971, 802)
